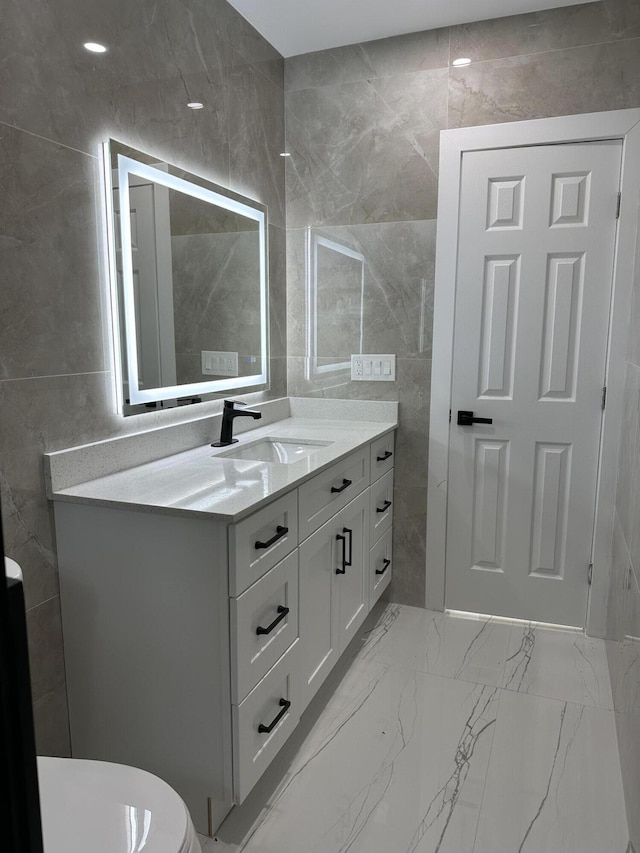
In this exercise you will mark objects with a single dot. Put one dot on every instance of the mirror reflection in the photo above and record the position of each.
(335, 304)
(189, 266)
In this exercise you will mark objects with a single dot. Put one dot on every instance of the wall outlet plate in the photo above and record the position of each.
(373, 368)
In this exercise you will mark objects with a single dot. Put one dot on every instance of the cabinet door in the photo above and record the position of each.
(318, 616)
(352, 587)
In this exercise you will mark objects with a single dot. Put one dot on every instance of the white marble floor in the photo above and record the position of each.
(448, 734)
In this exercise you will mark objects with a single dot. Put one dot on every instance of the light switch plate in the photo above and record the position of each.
(219, 363)
(373, 368)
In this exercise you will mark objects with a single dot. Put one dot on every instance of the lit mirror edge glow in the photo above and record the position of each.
(114, 313)
(313, 242)
(126, 166)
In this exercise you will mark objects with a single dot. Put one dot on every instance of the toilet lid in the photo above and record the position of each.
(110, 808)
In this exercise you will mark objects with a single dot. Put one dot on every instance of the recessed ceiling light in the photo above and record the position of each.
(195, 105)
(94, 47)
(285, 154)
(464, 60)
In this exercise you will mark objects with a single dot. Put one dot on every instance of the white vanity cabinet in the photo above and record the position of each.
(192, 645)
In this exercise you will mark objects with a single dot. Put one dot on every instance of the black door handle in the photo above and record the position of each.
(385, 506)
(386, 455)
(345, 484)
(285, 704)
(385, 566)
(280, 532)
(283, 612)
(467, 419)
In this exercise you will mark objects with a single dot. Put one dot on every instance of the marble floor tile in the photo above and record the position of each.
(409, 755)
(469, 648)
(397, 762)
(554, 782)
(558, 664)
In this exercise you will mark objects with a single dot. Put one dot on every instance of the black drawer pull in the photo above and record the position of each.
(283, 612)
(285, 704)
(280, 532)
(384, 568)
(385, 506)
(386, 455)
(345, 484)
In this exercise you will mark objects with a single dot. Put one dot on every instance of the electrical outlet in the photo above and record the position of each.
(373, 368)
(357, 368)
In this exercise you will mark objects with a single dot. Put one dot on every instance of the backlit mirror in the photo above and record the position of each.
(189, 274)
(335, 304)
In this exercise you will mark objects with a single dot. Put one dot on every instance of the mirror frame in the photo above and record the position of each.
(314, 241)
(128, 166)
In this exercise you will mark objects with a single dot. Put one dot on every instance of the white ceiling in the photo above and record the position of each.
(302, 26)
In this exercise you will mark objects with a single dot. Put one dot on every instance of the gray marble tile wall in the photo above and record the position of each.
(623, 647)
(57, 104)
(362, 128)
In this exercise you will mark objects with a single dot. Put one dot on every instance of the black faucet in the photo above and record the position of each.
(228, 414)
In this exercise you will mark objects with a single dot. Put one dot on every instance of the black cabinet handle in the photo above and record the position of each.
(346, 561)
(285, 704)
(345, 484)
(280, 532)
(385, 506)
(385, 566)
(343, 539)
(386, 455)
(283, 612)
(349, 560)
(467, 419)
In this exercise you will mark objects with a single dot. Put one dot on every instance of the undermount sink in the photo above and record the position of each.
(283, 451)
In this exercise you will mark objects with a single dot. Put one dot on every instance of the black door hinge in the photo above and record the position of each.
(603, 402)
(618, 207)
(590, 575)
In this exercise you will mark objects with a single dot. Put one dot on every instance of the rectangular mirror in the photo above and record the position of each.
(335, 304)
(189, 283)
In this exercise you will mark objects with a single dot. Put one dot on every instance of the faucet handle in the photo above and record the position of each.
(230, 404)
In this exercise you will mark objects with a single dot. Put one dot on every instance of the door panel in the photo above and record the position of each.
(535, 256)
(353, 585)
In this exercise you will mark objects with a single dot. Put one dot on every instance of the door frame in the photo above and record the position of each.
(590, 127)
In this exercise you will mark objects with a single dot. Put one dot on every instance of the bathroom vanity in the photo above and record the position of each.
(207, 594)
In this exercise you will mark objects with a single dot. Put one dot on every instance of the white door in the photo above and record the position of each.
(535, 254)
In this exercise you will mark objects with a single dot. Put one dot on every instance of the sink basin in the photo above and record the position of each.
(283, 451)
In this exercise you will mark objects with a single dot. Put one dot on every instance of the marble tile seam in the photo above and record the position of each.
(497, 59)
(450, 69)
(47, 139)
(371, 78)
(353, 225)
(54, 376)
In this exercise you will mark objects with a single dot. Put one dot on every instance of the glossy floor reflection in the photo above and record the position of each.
(445, 734)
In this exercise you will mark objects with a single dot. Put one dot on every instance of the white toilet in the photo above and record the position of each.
(108, 808)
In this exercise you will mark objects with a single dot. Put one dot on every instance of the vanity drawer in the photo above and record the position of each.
(328, 492)
(380, 566)
(381, 506)
(250, 553)
(271, 601)
(253, 749)
(382, 455)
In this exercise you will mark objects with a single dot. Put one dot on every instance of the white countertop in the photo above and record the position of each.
(201, 482)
